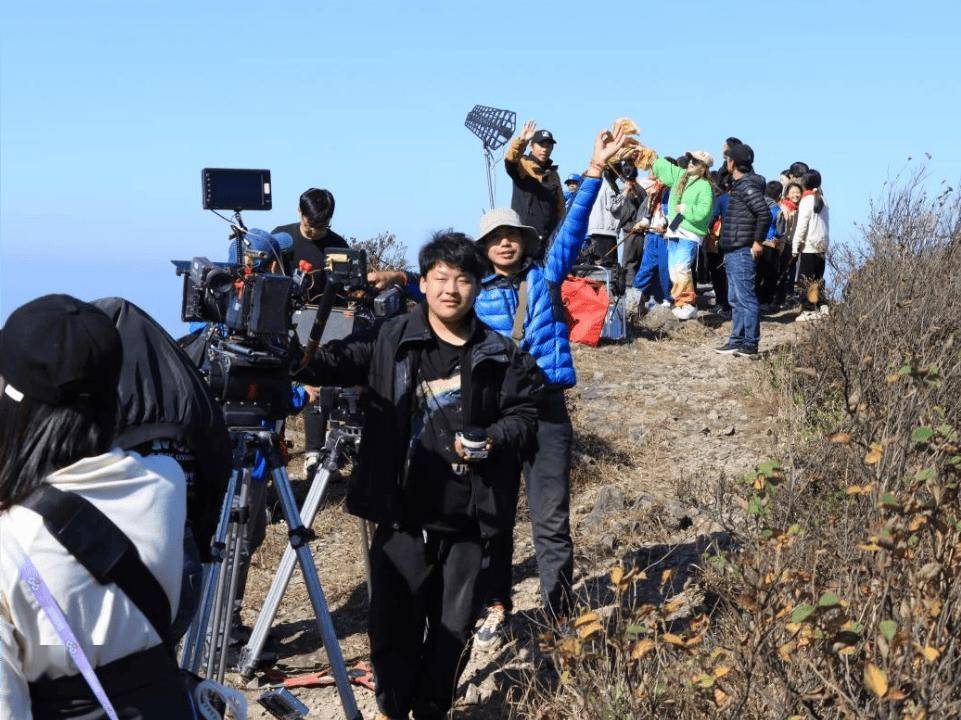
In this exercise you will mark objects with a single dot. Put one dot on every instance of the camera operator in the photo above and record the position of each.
(311, 236)
(67, 493)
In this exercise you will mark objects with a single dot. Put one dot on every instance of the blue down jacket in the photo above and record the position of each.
(545, 328)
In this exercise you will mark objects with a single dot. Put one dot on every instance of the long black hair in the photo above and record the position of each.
(37, 439)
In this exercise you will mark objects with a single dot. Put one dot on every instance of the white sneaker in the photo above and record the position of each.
(490, 634)
(310, 462)
(665, 303)
(806, 316)
(687, 312)
(825, 310)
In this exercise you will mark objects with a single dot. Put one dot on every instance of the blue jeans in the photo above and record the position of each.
(745, 320)
(653, 276)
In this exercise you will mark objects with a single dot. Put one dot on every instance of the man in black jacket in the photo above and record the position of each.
(434, 377)
(538, 196)
(745, 225)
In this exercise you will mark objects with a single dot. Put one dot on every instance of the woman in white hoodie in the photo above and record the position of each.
(60, 359)
(810, 245)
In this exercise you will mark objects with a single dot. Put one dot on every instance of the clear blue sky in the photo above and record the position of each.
(108, 111)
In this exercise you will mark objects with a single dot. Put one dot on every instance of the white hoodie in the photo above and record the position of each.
(811, 232)
(146, 499)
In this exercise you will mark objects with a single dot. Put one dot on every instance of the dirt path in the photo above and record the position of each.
(655, 421)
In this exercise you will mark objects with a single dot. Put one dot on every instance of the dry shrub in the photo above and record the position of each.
(842, 597)
(384, 252)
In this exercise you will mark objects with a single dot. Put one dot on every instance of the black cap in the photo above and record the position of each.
(543, 137)
(57, 349)
(741, 154)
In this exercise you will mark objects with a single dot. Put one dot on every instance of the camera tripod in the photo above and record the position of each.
(212, 626)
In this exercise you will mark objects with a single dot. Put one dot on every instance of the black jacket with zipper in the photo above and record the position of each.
(499, 385)
(747, 218)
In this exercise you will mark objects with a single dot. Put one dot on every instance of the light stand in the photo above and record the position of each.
(494, 127)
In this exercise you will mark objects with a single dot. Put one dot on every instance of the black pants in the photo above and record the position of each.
(548, 485)
(811, 279)
(420, 585)
(144, 686)
(787, 267)
(767, 275)
(715, 265)
(315, 429)
(633, 251)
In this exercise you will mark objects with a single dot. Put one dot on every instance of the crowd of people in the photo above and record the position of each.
(465, 395)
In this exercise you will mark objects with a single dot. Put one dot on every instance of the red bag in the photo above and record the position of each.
(586, 303)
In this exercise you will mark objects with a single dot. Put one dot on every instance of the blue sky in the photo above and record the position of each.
(108, 112)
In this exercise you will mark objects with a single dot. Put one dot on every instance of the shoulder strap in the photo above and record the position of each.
(521, 313)
(103, 549)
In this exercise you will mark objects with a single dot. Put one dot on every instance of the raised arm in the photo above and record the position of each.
(573, 231)
(515, 151)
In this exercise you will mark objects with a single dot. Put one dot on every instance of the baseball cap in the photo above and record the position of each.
(573, 178)
(741, 154)
(58, 349)
(262, 246)
(543, 137)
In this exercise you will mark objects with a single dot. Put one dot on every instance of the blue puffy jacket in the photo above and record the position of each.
(545, 328)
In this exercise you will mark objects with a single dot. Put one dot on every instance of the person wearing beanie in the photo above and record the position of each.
(746, 221)
(66, 492)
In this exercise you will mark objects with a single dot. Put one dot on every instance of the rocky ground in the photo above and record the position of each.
(657, 420)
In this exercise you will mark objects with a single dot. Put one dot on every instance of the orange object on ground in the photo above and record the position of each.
(359, 674)
(586, 302)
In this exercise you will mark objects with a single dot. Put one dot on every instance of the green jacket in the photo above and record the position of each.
(698, 198)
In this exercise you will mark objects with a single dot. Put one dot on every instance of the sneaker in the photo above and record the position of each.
(685, 312)
(311, 459)
(721, 312)
(825, 310)
(490, 634)
(666, 303)
(806, 316)
(747, 351)
(729, 348)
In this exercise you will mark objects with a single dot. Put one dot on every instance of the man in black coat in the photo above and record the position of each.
(436, 379)
(538, 196)
(745, 225)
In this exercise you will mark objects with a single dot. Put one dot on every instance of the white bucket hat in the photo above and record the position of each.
(506, 217)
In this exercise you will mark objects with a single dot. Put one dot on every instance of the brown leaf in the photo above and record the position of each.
(842, 438)
(586, 618)
(720, 697)
(875, 680)
(784, 652)
(720, 671)
(617, 574)
(666, 575)
(642, 648)
(930, 654)
(673, 639)
(894, 695)
(585, 631)
(874, 454)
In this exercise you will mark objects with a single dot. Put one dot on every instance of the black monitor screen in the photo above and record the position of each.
(236, 189)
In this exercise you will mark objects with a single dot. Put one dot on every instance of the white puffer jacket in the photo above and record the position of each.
(811, 233)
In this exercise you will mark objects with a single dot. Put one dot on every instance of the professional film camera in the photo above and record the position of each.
(259, 328)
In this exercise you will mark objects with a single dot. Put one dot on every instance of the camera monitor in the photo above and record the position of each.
(236, 189)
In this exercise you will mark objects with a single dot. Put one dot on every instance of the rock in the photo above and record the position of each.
(609, 542)
(728, 431)
(637, 434)
(609, 500)
(473, 695)
(680, 514)
(643, 502)
(661, 319)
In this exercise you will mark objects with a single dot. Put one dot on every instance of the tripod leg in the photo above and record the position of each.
(226, 585)
(194, 647)
(325, 624)
(268, 612)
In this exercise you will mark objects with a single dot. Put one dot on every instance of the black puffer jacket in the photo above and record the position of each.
(500, 386)
(747, 217)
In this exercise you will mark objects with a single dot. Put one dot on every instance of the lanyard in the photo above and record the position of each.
(33, 580)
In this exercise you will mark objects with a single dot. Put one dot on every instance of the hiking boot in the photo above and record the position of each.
(685, 312)
(747, 351)
(729, 348)
(490, 633)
